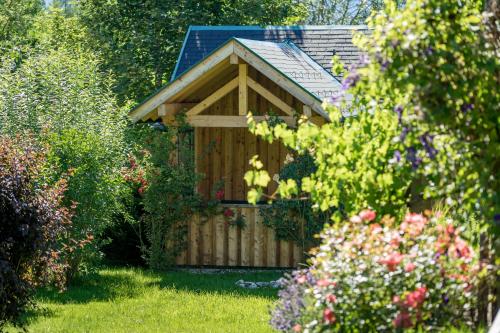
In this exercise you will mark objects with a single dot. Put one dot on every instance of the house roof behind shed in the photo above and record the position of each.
(318, 42)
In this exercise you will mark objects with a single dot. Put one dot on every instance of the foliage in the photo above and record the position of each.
(295, 219)
(32, 221)
(60, 96)
(426, 103)
(141, 40)
(16, 18)
(341, 11)
(434, 65)
(354, 167)
(370, 277)
(167, 184)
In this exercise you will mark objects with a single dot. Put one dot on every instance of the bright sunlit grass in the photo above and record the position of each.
(134, 300)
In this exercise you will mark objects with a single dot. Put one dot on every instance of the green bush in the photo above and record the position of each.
(65, 101)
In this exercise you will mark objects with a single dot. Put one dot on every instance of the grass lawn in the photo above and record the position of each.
(134, 300)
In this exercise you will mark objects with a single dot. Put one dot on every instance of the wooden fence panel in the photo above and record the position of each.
(215, 243)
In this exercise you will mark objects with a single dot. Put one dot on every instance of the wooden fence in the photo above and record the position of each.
(215, 243)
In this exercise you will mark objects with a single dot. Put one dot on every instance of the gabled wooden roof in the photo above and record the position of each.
(285, 64)
(319, 42)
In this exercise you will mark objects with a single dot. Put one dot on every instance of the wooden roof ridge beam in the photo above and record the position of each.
(242, 89)
(214, 97)
(258, 88)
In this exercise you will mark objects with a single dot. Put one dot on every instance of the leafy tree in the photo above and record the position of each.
(141, 40)
(60, 95)
(32, 221)
(341, 11)
(16, 18)
(427, 103)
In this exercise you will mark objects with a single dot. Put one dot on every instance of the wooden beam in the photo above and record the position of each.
(233, 59)
(229, 121)
(307, 111)
(167, 109)
(218, 94)
(270, 96)
(243, 89)
(279, 78)
(191, 77)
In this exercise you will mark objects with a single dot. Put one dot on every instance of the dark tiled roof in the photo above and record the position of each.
(319, 42)
(287, 58)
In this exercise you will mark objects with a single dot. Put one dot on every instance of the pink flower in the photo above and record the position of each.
(367, 215)
(402, 320)
(219, 195)
(375, 228)
(462, 248)
(413, 224)
(329, 316)
(297, 328)
(325, 283)
(396, 299)
(415, 298)
(392, 260)
(301, 279)
(410, 267)
(331, 298)
(356, 219)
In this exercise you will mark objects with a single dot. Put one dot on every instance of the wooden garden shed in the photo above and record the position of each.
(222, 73)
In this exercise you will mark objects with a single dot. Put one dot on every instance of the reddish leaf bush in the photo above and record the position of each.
(32, 221)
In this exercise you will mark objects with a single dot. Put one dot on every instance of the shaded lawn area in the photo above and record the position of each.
(135, 300)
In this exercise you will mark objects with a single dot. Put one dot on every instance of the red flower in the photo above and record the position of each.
(402, 320)
(415, 298)
(219, 195)
(367, 215)
(392, 260)
(228, 212)
(329, 316)
(410, 267)
(331, 298)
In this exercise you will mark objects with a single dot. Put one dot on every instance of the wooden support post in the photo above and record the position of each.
(259, 89)
(243, 89)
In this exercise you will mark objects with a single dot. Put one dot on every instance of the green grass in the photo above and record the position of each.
(134, 300)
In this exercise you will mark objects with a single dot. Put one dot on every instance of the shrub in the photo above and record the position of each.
(162, 172)
(61, 97)
(295, 219)
(371, 277)
(32, 220)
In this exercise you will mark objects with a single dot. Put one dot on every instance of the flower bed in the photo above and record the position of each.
(381, 277)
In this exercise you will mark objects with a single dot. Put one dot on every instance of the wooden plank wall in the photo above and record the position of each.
(215, 243)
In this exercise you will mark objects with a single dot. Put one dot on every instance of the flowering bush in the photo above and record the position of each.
(368, 277)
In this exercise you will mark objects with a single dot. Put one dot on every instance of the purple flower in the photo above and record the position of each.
(426, 141)
(411, 156)
(467, 107)
(399, 110)
(397, 155)
(496, 220)
(404, 133)
(351, 79)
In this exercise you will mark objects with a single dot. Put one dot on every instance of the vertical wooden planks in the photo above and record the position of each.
(219, 240)
(194, 241)
(232, 244)
(297, 255)
(271, 248)
(246, 240)
(259, 242)
(207, 242)
(284, 254)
